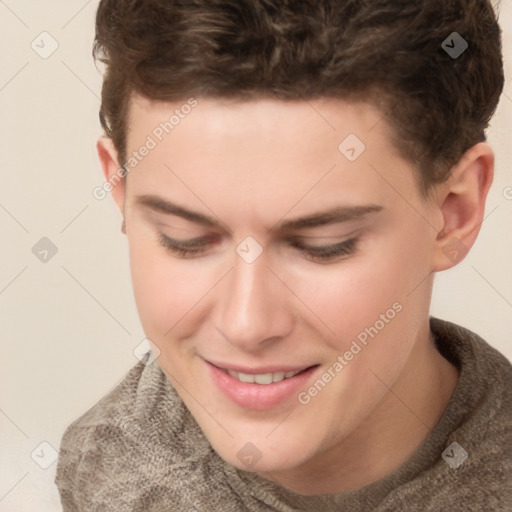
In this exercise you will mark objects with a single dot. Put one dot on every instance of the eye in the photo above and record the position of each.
(328, 252)
(184, 248)
(196, 246)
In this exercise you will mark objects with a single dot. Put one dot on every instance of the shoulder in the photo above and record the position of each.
(111, 406)
(137, 433)
(472, 467)
(460, 343)
(481, 406)
(101, 425)
(482, 481)
(485, 373)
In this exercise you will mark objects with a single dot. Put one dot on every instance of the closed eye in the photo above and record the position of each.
(329, 252)
(197, 246)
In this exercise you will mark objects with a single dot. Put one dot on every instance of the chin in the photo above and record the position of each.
(260, 455)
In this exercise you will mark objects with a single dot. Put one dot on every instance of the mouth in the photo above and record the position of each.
(260, 388)
(263, 378)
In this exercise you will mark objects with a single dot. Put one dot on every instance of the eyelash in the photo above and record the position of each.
(197, 246)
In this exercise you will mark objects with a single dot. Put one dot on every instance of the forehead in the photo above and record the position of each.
(265, 151)
(267, 132)
(223, 117)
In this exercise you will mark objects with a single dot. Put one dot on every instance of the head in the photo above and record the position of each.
(294, 173)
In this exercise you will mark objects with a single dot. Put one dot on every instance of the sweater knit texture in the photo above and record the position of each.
(140, 450)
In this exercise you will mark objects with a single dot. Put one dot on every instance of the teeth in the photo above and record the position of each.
(262, 378)
(245, 377)
(278, 376)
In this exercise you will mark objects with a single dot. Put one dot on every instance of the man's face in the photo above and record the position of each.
(342, 296)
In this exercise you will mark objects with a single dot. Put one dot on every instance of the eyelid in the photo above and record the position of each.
(350, 243)
(200, 241)
(346, 236)
(190, 242)
(325, 247)
(164, 222)
(319, 254)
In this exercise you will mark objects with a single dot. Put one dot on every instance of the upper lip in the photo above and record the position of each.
(257, 370)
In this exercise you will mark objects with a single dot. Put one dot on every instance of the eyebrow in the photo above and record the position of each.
(333, 216)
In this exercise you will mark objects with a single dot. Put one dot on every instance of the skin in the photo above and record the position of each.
(250, 166)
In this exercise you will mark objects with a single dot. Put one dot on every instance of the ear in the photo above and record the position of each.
(115, 176)
(462, 203)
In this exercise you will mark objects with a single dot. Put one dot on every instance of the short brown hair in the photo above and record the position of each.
(386, 51)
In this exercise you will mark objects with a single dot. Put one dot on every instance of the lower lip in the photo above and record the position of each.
(259, 396)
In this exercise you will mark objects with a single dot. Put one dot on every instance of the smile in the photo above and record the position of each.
(262, 378)
(261, 388)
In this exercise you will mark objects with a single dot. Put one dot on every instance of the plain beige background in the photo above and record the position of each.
(70, 324)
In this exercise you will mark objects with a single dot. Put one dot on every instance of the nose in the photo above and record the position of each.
(253, 306)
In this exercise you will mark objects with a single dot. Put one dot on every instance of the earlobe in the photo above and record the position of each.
(115, 179)
(462, 204)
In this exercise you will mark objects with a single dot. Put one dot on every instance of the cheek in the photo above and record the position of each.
(351, 296)
(165, 289)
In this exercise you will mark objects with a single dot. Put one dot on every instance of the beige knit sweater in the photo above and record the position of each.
(140, 450)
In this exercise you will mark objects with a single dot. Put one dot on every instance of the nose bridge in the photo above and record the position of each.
(252, 308)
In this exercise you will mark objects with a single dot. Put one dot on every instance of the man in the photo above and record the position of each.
(291, 176)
